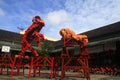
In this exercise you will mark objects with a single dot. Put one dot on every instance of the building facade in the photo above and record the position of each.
(103, 46)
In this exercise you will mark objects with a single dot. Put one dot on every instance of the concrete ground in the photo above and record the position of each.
(93, 77)
(47, 77)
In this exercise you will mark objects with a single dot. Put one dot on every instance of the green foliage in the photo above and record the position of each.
(45, 48)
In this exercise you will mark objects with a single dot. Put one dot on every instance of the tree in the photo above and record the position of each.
(45, 48)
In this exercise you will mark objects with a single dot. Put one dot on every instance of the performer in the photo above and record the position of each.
(70, 34)
(32, 33)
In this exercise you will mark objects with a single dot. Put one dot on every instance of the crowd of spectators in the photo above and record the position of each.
(107, 70)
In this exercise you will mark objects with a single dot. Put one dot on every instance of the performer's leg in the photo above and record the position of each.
(23, 50)
(24, 47)
(33, 50)
(38, 37)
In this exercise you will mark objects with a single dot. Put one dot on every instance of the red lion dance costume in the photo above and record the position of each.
(32, 33)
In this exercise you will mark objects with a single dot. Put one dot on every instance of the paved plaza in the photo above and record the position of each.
(93, 77)
(47, 77)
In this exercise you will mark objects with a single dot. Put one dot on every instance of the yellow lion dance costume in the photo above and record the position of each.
(70, 34)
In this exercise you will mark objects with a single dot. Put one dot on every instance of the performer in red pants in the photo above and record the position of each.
(32, 33)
